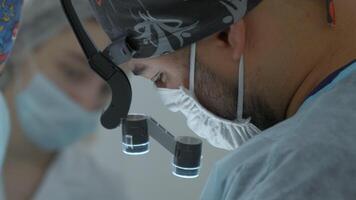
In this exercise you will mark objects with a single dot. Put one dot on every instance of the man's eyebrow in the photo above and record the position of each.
(74, 56)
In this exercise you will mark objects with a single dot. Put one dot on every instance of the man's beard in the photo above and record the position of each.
(219, 96)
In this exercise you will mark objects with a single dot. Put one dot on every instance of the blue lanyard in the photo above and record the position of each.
(329, 79)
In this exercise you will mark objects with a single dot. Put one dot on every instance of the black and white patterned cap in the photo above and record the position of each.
(157, 27)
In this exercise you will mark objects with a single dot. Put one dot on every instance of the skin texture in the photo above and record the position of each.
(73, 76)
(288, 47)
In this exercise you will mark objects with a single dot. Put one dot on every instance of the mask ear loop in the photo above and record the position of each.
(241, 85)
(193, 53)
(240, 92)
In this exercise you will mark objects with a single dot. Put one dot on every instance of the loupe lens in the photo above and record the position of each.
(135, 139)
(182, 172)
(187, 157)
(135, 150)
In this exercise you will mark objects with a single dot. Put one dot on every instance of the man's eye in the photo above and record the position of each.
(72, 74)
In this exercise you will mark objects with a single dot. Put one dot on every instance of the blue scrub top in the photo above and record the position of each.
(309, 156)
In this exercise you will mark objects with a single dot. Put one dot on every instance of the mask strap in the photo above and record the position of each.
(240, 92)
(193, 52)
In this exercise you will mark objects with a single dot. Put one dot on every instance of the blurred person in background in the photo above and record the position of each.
(55, 101)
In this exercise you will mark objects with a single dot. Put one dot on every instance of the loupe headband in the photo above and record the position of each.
(106, 67)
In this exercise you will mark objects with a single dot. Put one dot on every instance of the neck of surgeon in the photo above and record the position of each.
(281, 73)
(336, 53)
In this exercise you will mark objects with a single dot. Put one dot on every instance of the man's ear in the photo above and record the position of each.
(237, 38)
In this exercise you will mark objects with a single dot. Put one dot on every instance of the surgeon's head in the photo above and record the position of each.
(55, 97)
(288, 47)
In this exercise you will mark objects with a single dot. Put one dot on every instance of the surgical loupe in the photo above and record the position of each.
(136, 129)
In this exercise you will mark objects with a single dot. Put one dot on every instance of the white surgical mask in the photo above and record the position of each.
(219, 132)
(4, 128)
(49, 118)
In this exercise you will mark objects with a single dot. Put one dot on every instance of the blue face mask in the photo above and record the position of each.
(4, 128)
(49, 118)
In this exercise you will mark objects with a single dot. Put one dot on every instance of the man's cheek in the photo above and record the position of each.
(10, 12)
(181, 78)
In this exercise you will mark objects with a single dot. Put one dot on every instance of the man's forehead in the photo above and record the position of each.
(156, 30)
